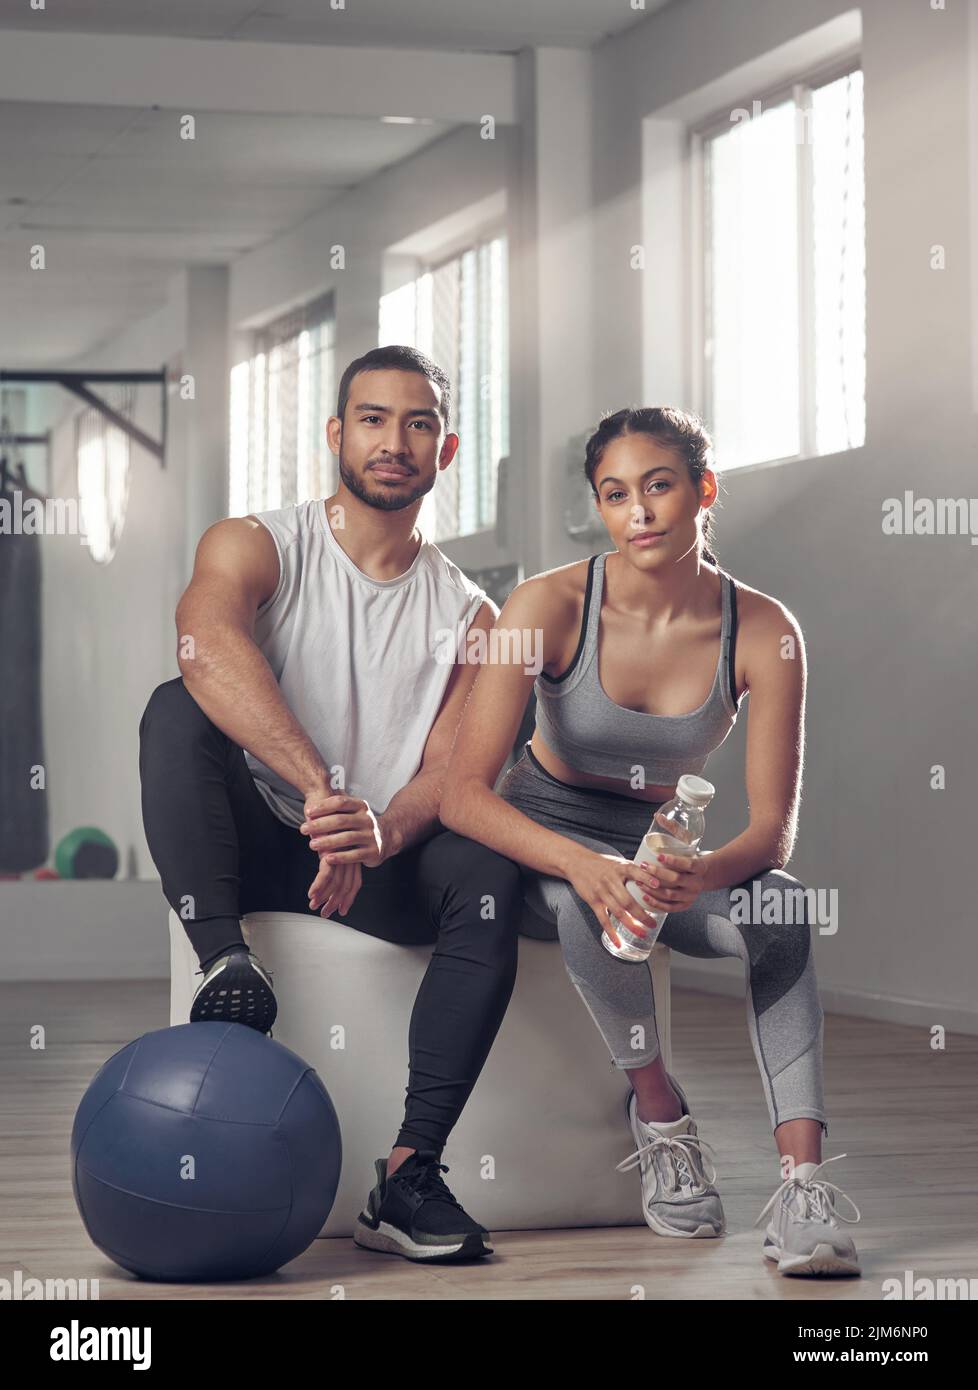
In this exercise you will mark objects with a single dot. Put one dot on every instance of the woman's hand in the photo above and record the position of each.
(682, 878)
(334, 887)
(600, 880)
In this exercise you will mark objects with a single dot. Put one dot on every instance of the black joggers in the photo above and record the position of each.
(218, 847)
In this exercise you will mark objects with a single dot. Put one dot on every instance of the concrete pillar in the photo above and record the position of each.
(552, 291)
(205, 436)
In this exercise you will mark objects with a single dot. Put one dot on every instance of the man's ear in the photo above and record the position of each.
(448, 451)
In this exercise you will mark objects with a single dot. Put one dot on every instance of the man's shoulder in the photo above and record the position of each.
(447, 572)
(287, 521)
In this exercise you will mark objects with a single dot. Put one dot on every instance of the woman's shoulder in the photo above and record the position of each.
(551, 603)
(767, 631)
(552, 593)
(760, 611)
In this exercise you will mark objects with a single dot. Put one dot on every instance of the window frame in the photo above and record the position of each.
(317, 311)
(429, 263)
(797, 89)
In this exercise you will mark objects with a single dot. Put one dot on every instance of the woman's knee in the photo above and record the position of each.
(772, 899)
(778, 928)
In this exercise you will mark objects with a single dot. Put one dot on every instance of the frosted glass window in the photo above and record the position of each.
(280, 400)
(457, 314)
(784, 289)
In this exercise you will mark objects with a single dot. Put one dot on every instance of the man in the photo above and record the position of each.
(314, 637)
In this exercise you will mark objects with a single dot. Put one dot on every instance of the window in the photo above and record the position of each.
(781, 352)
(455, 312)
(281, 399)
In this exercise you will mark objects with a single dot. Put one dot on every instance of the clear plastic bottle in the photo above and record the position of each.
(677, 828)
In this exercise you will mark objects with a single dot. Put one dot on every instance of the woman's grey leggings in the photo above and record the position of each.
(784, 1015)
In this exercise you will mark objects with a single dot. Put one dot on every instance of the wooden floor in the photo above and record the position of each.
(904, 1114)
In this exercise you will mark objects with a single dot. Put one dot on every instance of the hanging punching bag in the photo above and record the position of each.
(23, 804)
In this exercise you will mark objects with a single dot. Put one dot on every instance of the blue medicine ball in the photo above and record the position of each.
(205, 1152)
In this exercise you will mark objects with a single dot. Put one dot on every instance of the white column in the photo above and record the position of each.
(205, 418)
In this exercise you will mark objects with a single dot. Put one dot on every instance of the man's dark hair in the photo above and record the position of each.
(403, 359)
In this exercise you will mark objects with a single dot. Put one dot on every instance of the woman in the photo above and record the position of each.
(641, 679)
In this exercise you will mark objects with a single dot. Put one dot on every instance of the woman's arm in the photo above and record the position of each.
(489, 725)
(776, 674)
(470, 806)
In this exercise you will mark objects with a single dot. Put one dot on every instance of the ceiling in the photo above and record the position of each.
(488, 26)
(119, 206)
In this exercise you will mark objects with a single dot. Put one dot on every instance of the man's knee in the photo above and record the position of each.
(171, 711)
(164, 702)
(466, 869)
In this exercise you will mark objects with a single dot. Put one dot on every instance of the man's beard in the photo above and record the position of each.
(383, 500)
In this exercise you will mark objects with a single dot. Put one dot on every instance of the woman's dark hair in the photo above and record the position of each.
(673, 429)
(402, 359)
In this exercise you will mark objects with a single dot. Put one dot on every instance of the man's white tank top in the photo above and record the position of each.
(362, 663)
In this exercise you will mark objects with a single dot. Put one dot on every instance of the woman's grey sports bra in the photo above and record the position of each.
(581, 724)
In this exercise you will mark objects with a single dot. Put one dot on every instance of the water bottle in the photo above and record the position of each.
(677, 828)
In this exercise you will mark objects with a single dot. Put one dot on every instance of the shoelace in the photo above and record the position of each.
(427, 1182)
(680, 1160)
(817, 1200)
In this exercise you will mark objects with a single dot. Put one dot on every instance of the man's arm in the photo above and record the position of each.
(412, 815)
(235, 571)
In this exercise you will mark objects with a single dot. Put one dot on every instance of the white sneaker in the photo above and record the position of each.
(677, 1197)
(803, 1235)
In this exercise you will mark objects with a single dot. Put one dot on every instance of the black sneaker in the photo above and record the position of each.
(413, 1214)
(235, 989)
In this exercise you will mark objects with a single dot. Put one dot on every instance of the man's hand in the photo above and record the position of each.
(343, 830)
(334, 888)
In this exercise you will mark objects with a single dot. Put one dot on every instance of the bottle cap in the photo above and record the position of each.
(696, 791)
